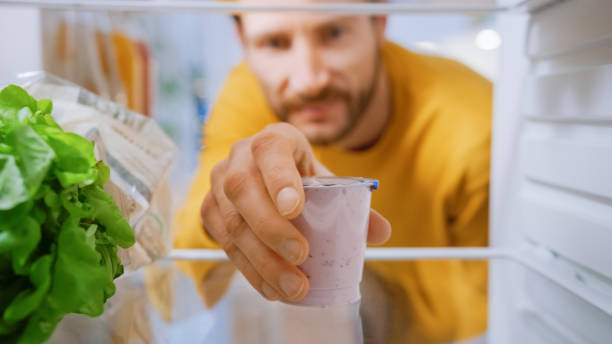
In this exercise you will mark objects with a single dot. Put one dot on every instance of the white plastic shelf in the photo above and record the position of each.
(405, 7)
(541, 260)
(386, 254)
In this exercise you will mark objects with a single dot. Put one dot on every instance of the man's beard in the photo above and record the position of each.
(355, 106)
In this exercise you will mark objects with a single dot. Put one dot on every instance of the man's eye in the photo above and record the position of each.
(336, 32)
(277, 43)
(333, 33)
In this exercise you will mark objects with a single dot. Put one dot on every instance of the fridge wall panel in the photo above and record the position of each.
(564, 312)
(524, 4)
(577, 228)
(576, 165)
(582, 282)
(575, 96)
(551, 185)
(596, 55)
(569, 26)
(545, 330)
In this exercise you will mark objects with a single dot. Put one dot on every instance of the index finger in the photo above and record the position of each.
(283, 155)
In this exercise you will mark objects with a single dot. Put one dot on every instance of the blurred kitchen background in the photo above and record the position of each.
(171, 65)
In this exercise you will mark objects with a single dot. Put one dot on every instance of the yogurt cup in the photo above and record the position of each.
(335, 223)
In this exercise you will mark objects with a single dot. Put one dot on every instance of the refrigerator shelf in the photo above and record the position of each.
(419, 7)
(380, 254)
(587, 284)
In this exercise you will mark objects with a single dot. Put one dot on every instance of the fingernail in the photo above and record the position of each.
(292, 250)
(287, 200)
(269, 292)
(291, 285)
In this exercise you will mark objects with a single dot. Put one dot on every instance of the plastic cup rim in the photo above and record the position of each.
(353, 182)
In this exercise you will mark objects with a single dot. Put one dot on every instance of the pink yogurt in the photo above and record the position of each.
(335, 223)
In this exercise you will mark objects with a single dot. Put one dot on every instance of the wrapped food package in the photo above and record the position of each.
(135, 148)
(139, 155)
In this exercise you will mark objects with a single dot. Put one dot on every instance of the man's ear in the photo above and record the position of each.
(239, 30)
(380, 25)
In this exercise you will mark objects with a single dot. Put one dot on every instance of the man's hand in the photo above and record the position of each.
(254, 193)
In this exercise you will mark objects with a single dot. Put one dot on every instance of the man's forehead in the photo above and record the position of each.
(257, 24)
(294, 1)
(262, 23)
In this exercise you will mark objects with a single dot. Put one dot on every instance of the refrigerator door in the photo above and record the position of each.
(551, 189)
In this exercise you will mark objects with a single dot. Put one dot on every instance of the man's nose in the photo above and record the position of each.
(309, 74)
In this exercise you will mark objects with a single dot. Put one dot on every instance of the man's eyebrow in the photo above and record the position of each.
(259, 33)
(265, 33)
(336, 20)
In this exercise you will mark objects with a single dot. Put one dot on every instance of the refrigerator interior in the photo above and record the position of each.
(551, 185)
(551, 190)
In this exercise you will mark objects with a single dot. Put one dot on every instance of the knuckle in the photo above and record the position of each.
(216, 172)
(279, 176)
(206, 208)
(288, 130)
(230, 248)
(234, 225)
(263, 225)
(263, 264)
(238, 147)
(263, 141)
(281, 127)
(235, 183)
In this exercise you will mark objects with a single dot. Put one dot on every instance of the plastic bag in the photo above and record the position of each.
(135, 148)
(153, 303)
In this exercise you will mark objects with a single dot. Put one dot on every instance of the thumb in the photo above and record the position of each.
(379, 228)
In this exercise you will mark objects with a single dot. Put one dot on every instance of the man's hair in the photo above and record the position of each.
(238, 20)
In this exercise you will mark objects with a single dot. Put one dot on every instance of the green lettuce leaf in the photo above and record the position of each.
(14, 97)
(12, 100)
(45, 106)
(40, 324)
(106, 212)
(29, 299)
(78, 270)
(59, 228)
(34, 156)
(20, 241)
(13, 189)
(75, 162)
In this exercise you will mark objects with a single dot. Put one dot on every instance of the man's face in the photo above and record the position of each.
(318, 71)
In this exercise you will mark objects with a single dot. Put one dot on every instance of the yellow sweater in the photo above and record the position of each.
(433, 165)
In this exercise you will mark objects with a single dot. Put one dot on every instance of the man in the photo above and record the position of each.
(322, 93)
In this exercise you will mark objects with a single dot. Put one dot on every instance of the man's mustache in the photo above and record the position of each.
(328, 93)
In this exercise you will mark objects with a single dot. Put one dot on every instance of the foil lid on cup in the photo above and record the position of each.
(334, 181)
